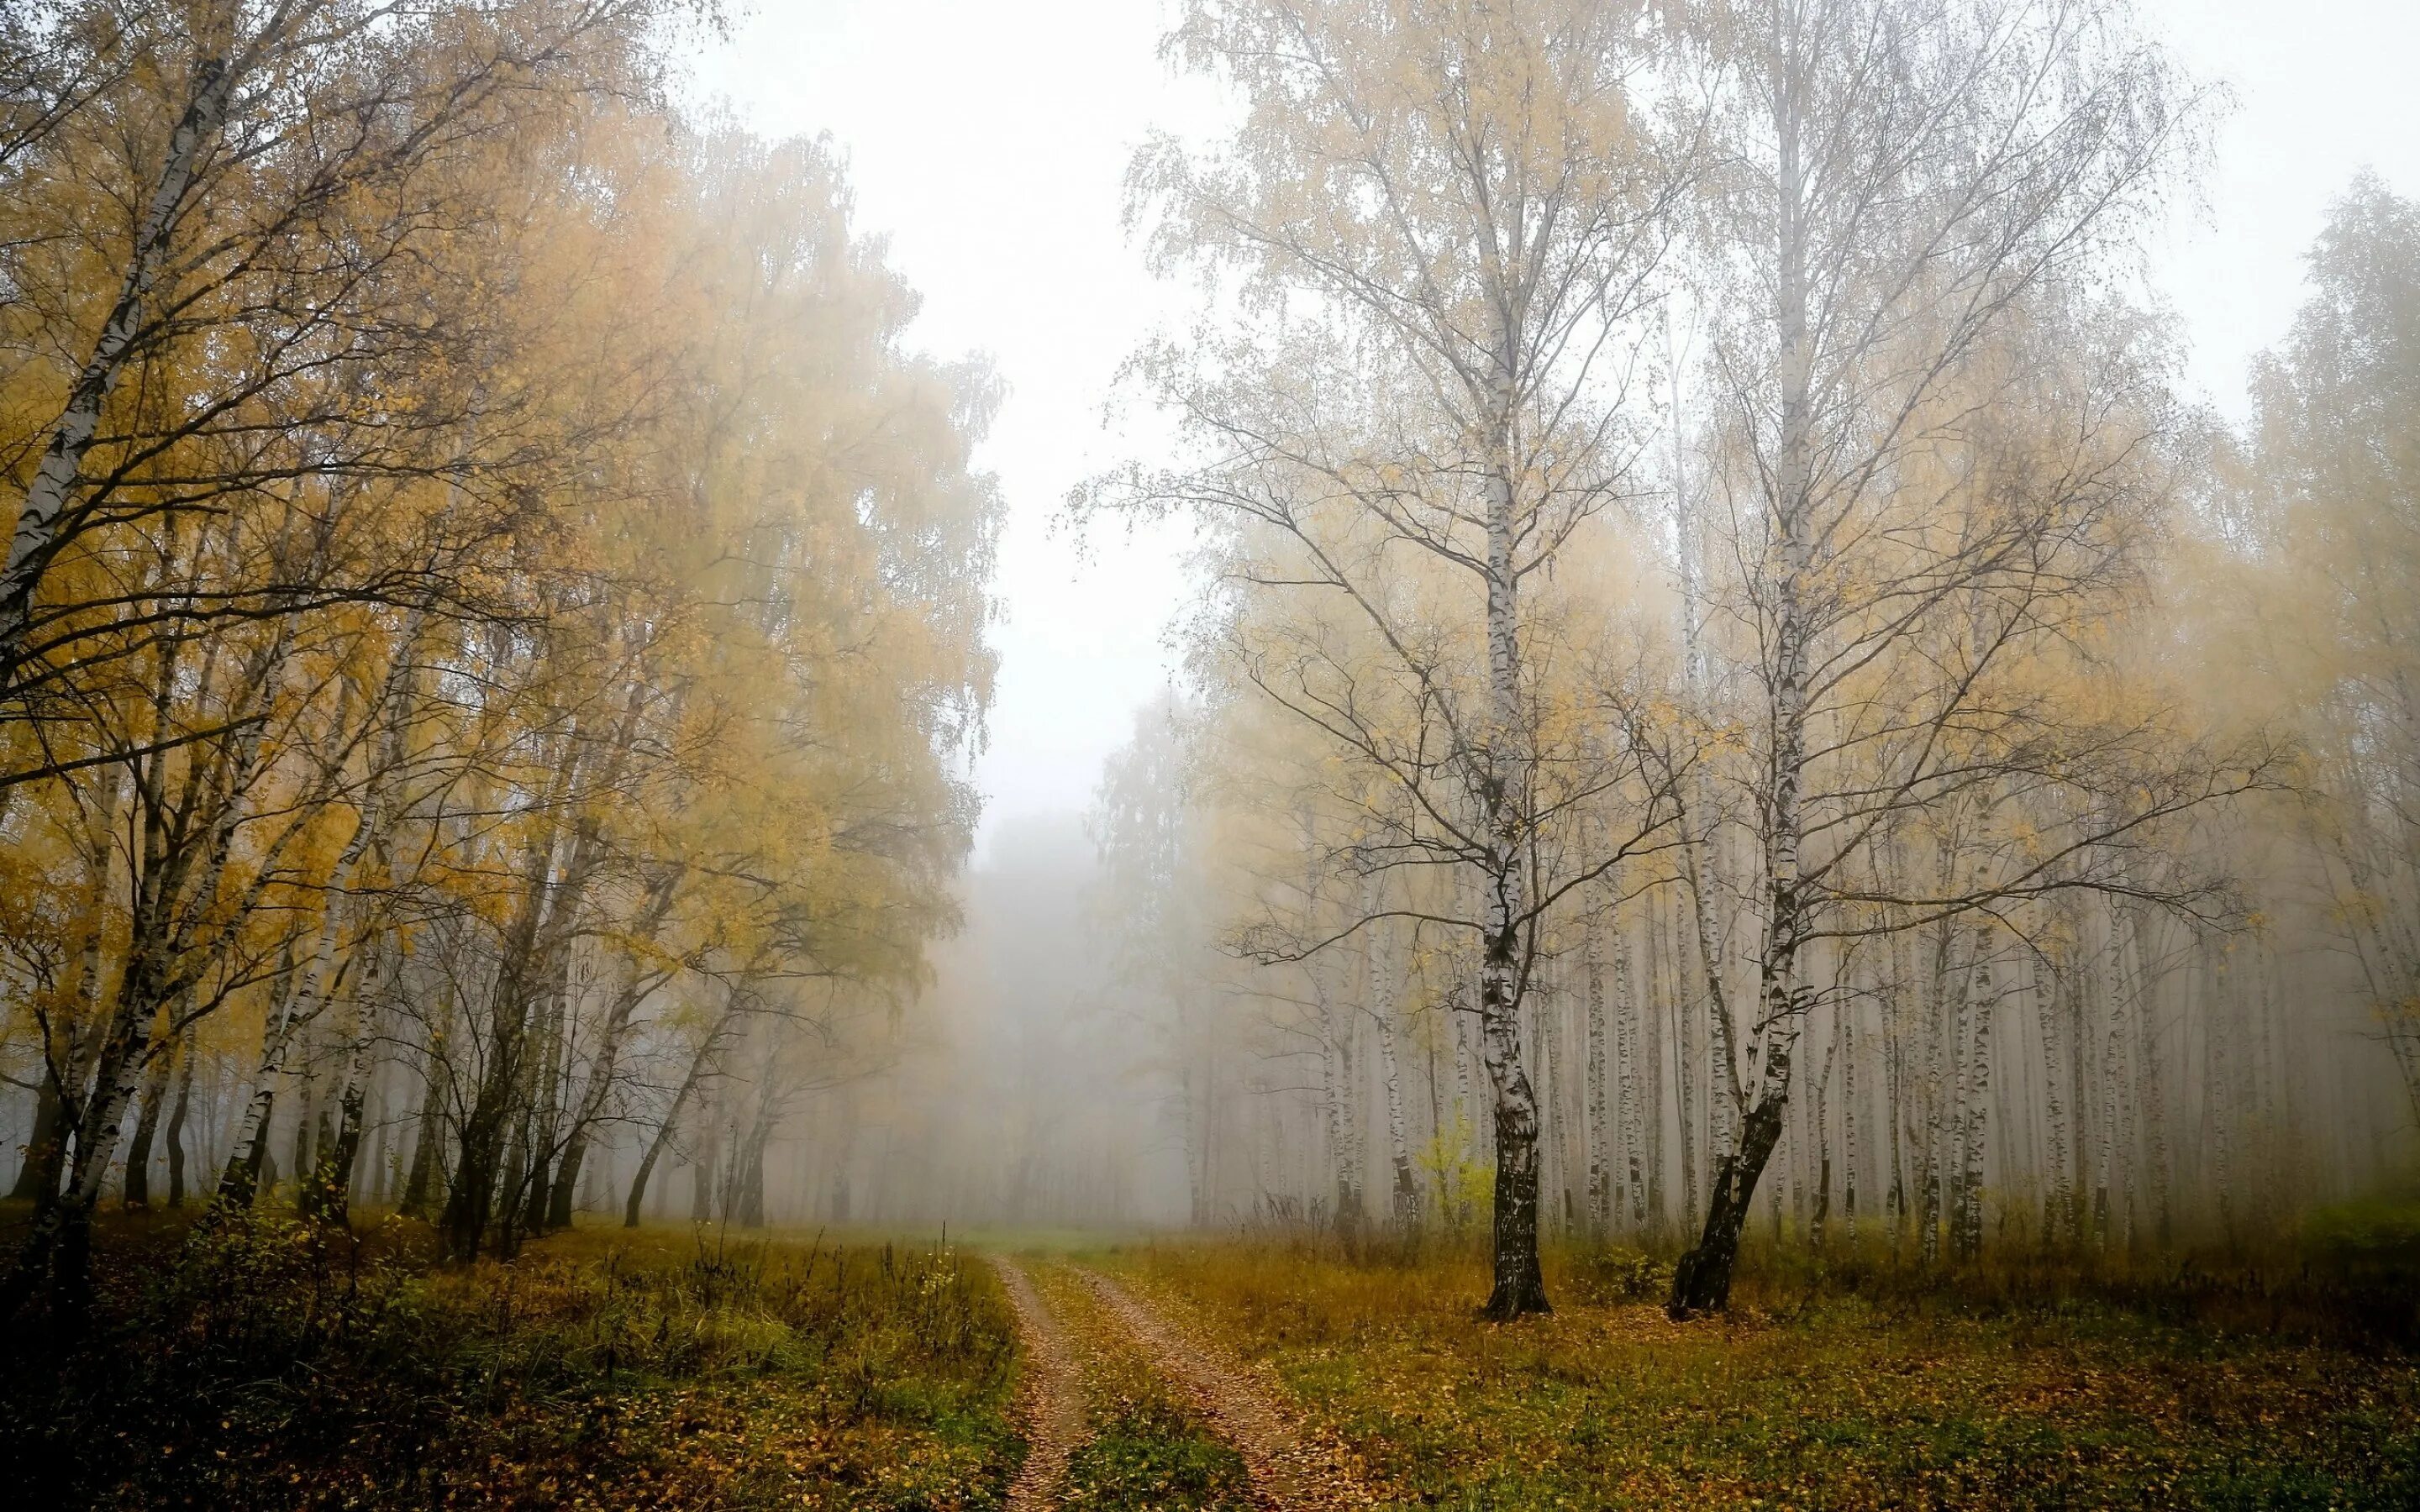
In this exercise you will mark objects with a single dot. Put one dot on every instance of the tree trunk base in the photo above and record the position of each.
(1701, 1282)
(1517, 1297)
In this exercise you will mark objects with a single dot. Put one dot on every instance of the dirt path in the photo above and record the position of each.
(1289, 1472)
(1050, 1398)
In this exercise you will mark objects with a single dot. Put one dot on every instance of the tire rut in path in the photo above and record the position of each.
(1049, 1399)
(1289, 1472)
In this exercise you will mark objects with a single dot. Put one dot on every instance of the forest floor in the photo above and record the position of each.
(1162, 1417)
(1842, 1392)
(278, 1364)
(274, 1364)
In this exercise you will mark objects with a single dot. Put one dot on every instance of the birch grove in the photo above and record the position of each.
(1729, 701)
(1893, 869)
(492, 665)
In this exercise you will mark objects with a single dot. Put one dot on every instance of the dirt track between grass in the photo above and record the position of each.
(1050, 1399)
(1291, 1473)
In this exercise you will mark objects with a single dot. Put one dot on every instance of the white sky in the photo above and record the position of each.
(988, 140)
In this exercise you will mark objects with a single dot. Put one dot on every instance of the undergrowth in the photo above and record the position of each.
(271, 1363)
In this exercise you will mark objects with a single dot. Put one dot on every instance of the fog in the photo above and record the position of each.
(1035, 1096)
(1532, 626)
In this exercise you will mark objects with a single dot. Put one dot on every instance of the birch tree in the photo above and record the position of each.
(231, 203)
(1908, 185)
(1440, 220)
(698, 720)
(2333, 486)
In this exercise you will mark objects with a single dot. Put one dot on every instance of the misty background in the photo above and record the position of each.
(992, 163)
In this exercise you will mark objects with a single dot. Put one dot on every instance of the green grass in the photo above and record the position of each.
(1147, 1453)
(275, 1365)
(1805, 1397)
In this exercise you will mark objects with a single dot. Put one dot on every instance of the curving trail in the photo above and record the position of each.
(1290, 1472)
(1050, 1398)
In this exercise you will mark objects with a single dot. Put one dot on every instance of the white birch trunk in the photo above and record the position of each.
(1600, 1175)
(1848, 1117)
(1384, 994)
(2059, 1199)
(39, 518)
(1975, 1093)
(1625, 1008)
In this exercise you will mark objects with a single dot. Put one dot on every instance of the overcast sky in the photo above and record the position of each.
(988, 140)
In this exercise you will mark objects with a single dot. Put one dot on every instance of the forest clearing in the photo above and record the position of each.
(1209, 753)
